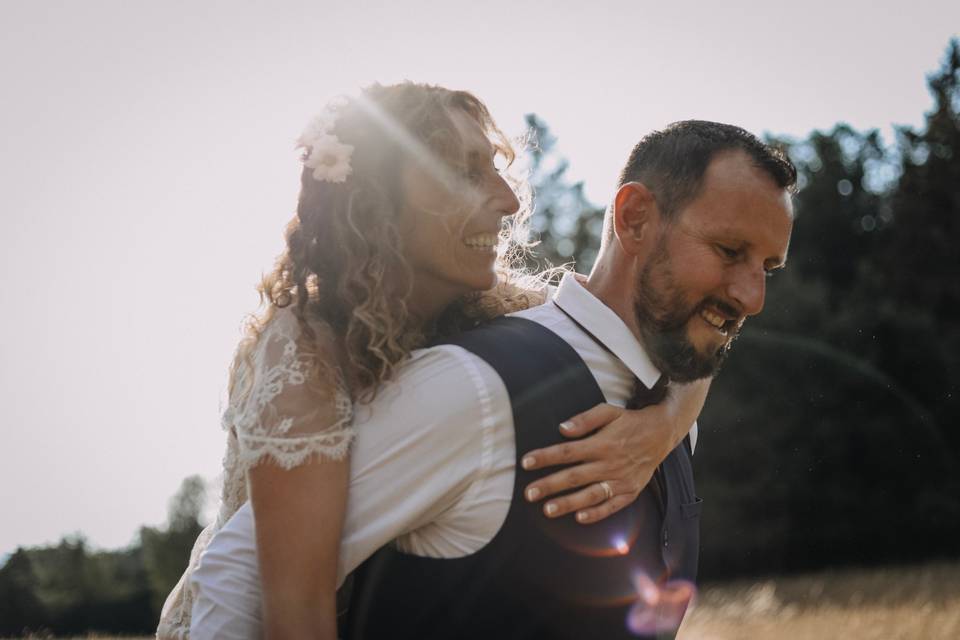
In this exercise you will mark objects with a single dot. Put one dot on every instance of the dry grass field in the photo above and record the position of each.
(915, 603)
(911, 603)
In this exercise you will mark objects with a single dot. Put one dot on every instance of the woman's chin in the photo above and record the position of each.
(477, 280)
(490, 283)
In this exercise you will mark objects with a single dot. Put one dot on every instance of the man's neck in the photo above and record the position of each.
(612, 287)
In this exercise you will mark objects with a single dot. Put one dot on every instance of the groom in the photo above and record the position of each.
(701, 217)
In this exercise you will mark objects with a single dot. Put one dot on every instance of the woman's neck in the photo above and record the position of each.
(425, 305)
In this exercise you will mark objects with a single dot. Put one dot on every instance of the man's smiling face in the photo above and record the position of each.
(709, 269)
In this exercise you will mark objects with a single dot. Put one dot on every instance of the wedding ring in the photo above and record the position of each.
(607, 490)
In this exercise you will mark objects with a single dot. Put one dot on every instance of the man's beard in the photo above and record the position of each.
(663, 317)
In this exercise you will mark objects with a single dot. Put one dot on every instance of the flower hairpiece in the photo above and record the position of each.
(323, 152)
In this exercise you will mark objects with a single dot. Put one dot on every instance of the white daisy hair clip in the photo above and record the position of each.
(322, 150)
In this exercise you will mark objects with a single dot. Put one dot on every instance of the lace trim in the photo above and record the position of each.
(264, 433)
(288, 452)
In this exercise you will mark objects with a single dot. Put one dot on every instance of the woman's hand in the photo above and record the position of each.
(612, 467)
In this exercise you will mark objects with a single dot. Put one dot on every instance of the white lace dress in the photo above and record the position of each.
(273, 415)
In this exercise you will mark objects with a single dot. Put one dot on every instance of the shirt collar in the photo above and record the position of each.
(606, 326)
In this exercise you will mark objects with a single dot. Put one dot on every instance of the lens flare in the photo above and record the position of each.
(621, 545)
(659, 608)
(600, 543)
(428, 160)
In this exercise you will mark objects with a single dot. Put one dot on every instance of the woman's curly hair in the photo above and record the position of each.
(344, 263)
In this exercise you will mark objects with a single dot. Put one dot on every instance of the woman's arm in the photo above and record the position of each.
(624, 453)
(293, 429)
(299, 514)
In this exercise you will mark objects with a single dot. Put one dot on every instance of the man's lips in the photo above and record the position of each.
(716, 321)
(721, 317)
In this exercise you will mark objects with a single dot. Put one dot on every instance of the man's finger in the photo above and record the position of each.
(590, 420)
(604, 509)
(577, 477)
(588, 497)
(563, 453)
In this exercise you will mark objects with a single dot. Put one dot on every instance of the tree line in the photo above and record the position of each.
(830, 437)
(70, 589)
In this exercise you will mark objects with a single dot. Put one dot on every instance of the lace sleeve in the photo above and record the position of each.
(282, 408)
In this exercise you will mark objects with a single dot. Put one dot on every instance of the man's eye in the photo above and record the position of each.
(728, 252)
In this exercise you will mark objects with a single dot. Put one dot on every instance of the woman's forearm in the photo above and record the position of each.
(683, 405)
(292, 619)
(299, 517)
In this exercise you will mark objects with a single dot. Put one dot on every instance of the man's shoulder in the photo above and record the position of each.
(546, 314)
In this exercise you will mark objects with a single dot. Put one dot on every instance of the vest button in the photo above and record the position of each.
(666, 538)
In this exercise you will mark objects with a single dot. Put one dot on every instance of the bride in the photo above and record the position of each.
(405, 230)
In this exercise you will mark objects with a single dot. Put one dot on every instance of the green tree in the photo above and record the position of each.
(66, 589)
(20, 606)
(922, 260)
(166, 552)
(567, 224)
(844, 178)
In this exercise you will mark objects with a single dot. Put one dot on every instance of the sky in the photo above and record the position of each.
(148, 170)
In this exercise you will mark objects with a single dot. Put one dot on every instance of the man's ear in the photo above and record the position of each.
(635, 217)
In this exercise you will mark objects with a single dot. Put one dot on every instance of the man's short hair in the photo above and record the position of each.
(671, 162)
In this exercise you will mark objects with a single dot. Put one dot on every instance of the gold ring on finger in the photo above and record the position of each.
(607, 490)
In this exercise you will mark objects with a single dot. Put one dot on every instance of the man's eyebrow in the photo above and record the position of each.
(725, 231)
(722, 234)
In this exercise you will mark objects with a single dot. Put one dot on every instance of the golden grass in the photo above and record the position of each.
(921, 603)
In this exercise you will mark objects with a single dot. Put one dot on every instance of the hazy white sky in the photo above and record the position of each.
(148, 171)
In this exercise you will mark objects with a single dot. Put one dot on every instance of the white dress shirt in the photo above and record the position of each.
(432, 465)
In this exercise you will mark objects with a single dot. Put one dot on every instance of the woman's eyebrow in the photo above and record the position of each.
(479, 146)
(487, 153)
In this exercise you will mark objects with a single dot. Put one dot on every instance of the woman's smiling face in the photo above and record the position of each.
(451, 218)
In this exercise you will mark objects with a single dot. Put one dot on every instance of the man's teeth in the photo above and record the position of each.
(481, 240)
(714, 319)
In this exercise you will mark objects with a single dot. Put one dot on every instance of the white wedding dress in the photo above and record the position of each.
(276, 413)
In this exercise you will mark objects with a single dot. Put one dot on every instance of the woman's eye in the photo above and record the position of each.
(472, 174)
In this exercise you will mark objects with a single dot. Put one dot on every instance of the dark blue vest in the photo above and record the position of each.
(538, 577)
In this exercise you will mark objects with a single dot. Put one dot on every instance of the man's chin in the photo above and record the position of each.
(683, 361)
